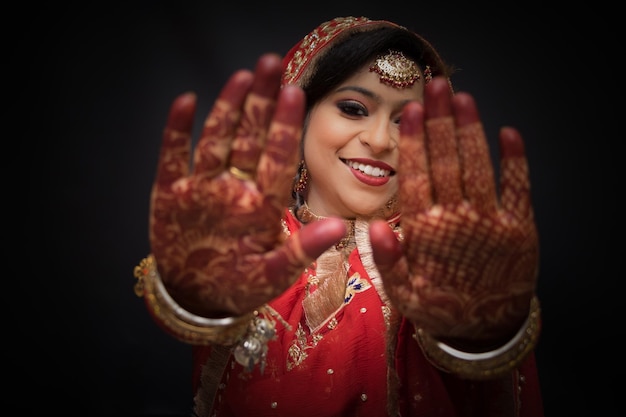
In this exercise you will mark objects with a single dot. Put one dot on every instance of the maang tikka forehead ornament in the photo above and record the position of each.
(398, 71)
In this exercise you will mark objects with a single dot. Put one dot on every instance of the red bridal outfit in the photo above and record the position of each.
(341, 350)
(338, 347)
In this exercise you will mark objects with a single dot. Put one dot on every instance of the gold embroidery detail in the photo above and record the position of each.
(332, 323)
(297, 351)
(386, 315)
(315, 41)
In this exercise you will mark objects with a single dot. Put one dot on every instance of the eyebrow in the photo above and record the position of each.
(367, 93)
(361, 90)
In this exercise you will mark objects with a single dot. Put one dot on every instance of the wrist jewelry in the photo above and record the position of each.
(484, 365)
(249, 333)
(182, 324)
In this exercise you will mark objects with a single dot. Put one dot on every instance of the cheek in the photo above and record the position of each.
(326, 132)
(317, 151)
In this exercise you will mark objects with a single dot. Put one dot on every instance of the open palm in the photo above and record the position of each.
(466, 266)
(215, 233)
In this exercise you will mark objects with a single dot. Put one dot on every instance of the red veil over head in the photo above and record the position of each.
(300, 62)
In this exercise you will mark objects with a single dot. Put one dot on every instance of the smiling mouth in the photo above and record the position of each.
(368, 169)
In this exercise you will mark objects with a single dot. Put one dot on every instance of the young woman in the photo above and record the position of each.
(396, 281)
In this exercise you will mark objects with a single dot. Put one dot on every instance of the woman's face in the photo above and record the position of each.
(351, 145)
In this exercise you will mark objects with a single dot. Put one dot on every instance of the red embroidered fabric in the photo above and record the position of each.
(342, 369)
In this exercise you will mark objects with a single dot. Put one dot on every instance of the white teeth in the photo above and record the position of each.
(368, 169)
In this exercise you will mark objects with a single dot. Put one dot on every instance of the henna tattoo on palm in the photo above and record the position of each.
(469, 263)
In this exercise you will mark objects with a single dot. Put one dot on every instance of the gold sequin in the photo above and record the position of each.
(332, 323)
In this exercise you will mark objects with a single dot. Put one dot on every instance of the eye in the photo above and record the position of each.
(352, 108)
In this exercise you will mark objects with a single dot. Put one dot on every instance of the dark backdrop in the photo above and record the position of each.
(100, 81)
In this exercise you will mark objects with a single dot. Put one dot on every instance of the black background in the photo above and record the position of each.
(99, 84)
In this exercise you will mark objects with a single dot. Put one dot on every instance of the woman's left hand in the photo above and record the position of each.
(466, 265)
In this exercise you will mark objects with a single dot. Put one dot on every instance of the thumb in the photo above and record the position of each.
(386, 248)
(285, 264)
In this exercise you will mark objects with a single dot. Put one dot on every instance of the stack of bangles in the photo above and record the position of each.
(250, 333)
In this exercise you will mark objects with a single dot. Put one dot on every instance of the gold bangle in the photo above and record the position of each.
(484, 365)
(182, 324)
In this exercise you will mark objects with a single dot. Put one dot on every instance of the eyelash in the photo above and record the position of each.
(354, 109)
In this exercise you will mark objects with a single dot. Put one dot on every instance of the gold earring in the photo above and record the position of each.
(303, 178)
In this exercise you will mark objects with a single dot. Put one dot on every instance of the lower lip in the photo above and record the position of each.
(368, 179)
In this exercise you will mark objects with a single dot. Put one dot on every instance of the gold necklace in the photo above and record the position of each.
(305, 215)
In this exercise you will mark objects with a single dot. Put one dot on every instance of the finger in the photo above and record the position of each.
(278, 163)
(257, 114)
(173, 160)
(385, 245)
(415, 191)
(515, 181)
(285, 264)
(441, 143)
(213, 148)
(390, 262)
(477, 171)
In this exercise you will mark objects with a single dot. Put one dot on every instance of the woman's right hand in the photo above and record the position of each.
(215, 234)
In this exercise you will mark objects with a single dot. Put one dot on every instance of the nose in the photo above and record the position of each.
(380, 135)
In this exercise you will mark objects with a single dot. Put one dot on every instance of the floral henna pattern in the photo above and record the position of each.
(212, 150)
(479, 187)
(444, 164)
(258, 111)
(251, 134)
(273, 177)
(469, 264)
(415, 188)
(454, 256)
(217, 239)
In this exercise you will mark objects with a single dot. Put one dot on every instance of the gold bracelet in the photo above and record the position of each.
(484, 365)
(182, 324)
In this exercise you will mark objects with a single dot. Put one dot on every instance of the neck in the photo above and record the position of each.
(305, 215)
